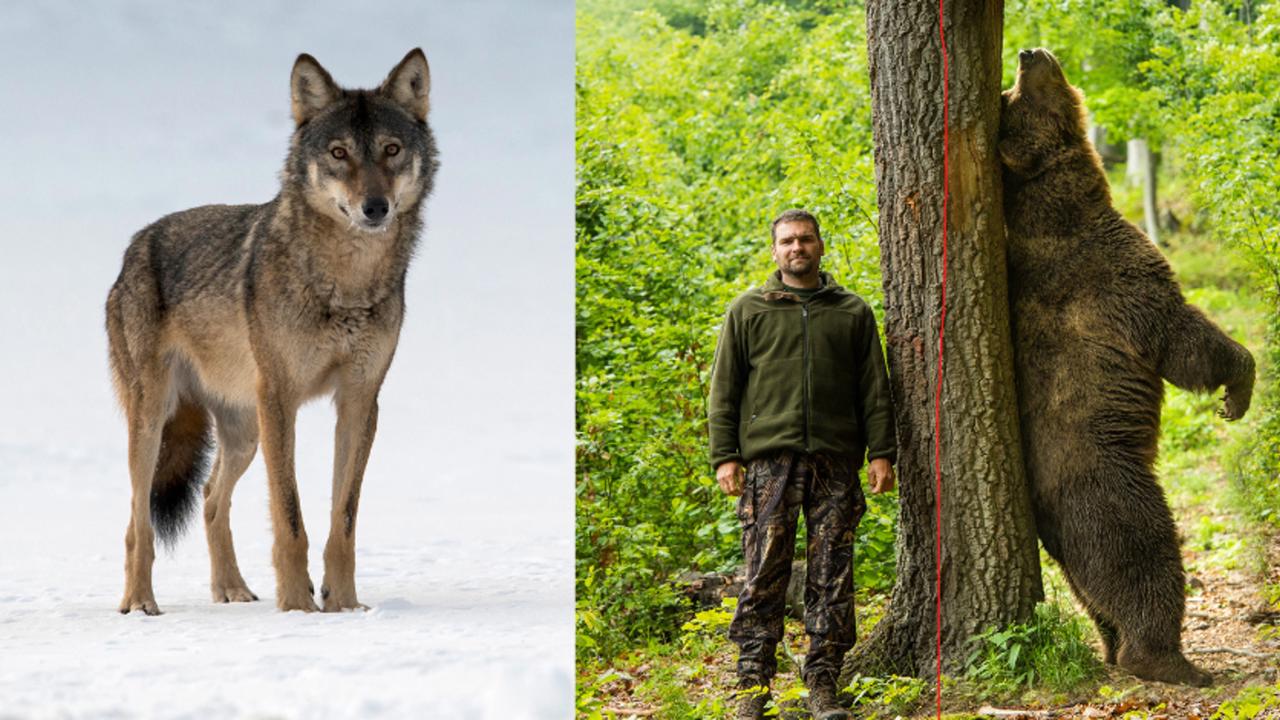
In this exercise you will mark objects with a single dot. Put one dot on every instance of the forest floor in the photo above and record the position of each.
(1233, 603)
(1230, 631)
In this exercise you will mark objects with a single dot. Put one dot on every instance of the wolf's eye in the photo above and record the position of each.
(339, 153)
(392, 149)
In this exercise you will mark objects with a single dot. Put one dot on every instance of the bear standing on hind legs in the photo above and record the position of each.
(1098, 322)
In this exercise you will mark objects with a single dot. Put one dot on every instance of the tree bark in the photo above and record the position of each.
(990, 560)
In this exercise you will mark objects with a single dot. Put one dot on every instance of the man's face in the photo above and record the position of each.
(796, 248)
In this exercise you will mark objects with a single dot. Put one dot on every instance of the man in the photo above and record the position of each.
(799, 394)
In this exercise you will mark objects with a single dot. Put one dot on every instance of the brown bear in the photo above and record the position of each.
(1098, 321)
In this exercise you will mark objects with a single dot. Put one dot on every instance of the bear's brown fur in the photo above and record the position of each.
(1098, 321)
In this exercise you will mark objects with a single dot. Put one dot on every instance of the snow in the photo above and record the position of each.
(117, 113)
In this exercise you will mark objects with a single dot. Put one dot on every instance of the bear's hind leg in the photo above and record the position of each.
(1110, 637)
(1107, 630)
(1138, 609)
(1123, 561)
(1109, 633)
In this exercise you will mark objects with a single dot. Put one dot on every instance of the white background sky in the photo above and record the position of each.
(113, 114)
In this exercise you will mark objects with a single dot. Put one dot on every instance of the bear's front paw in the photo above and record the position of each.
(1235, 403)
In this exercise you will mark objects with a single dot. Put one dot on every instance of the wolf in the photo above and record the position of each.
(1099, 323)
(226, 318)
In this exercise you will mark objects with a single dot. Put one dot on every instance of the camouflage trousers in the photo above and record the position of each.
(777, 487)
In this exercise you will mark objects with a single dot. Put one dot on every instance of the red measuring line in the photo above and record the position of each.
(942, 326)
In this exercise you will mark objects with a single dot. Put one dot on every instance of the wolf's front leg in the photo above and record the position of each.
(353, 438)
(277, 411)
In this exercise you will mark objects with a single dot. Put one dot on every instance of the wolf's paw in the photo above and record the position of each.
(305, 604)
(337, 601)
(146, 605)
(296, 599)
(229, 593)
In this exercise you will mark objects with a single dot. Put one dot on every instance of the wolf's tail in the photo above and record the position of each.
(185, 447)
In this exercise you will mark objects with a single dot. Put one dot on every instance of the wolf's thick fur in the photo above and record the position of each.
(1098, 321)
(226, 318)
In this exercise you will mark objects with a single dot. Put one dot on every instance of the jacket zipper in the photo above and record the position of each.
(804, 314)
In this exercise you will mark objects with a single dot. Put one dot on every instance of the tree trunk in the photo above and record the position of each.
(990, 561)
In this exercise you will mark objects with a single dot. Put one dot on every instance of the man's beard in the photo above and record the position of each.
(799, 266)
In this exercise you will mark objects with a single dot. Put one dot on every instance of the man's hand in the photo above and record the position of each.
(729, 475)
(880, 476)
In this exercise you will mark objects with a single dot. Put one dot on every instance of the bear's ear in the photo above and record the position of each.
(1077, 115)
(1020, 156)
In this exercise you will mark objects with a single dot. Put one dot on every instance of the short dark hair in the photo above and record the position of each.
(793, 215)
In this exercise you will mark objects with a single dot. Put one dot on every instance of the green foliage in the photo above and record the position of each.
(892, 696)
(589, 703)
(696, 124)
(1271, 632)
(1255, 470)
(671, 690)
(1187, 421)
(1252, 702)
(874, 558)
(713, 621)
(1051, 651)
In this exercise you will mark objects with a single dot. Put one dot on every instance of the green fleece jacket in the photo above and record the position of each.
(799, 375)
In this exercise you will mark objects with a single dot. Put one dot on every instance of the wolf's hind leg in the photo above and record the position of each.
(237, 444)
(353, 439)
(149, 407)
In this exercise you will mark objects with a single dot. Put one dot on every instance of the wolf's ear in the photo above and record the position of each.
(409, 83)
(311, 89)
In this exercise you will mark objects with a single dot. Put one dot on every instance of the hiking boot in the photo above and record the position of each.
(751, 702)
(823, 704)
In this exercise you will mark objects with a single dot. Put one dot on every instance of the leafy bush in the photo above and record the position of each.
(893, 695)
(713, 621)
(1052, 652)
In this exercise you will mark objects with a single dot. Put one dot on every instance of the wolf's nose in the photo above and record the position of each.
(376, 208)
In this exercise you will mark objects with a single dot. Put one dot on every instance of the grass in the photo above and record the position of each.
(1051, 653)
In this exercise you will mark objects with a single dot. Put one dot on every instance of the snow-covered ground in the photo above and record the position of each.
(112, 114)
